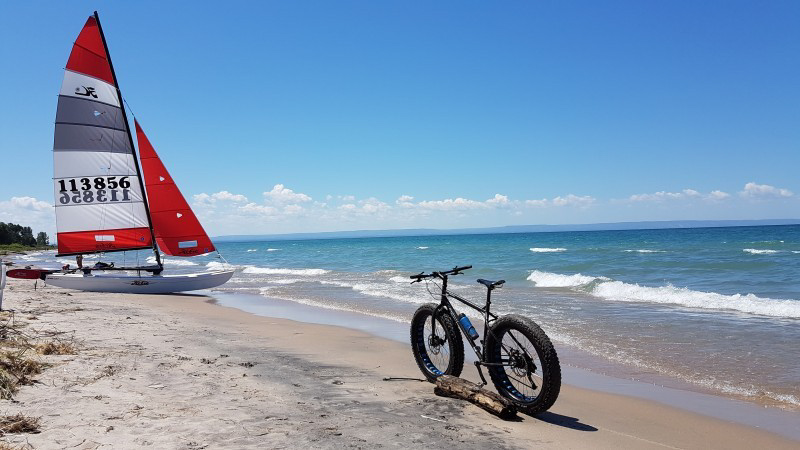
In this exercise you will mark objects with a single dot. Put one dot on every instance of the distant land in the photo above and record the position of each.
(651, 225)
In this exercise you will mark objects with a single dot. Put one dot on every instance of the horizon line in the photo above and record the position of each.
(511, 229)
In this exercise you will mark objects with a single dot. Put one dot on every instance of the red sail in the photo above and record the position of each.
(89, 54)
(177, 230)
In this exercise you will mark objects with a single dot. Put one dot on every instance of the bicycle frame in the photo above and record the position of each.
(488, 317)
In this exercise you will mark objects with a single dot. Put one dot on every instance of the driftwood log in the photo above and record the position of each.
(450, 386)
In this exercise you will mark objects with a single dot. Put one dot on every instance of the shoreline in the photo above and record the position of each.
(674, 393)
(177, 370)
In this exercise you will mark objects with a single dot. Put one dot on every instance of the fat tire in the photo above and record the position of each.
(456, 346)
(548, 363)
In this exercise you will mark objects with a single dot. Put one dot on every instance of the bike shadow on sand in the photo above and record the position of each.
(573, 423)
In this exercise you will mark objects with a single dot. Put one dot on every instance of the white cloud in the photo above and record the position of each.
(498, 200)
(718, 195)
(664, 195)
(254, 208)
(293, 209)
(201, 198)
(404, 201)
(686, 194)
(221, 196)
(457, 204)
(538, 203)
(373, 205)
(225, 195)
(280, 195)
(574, 200)
(753, 190)
(30, 203)
(450, 204)
(370, 206)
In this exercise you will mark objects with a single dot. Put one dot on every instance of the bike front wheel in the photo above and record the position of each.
(525, 366)
(436, 343)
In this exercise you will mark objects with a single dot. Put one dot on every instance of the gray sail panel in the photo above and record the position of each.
(81, 137)
(87, 112)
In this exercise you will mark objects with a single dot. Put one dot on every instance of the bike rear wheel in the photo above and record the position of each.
(438, 348)
(528, 372)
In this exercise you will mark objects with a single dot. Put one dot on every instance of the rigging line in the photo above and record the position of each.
(129, 107)
(142, 188)
(128, 166)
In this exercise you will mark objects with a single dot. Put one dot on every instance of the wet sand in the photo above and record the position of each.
(179, 371)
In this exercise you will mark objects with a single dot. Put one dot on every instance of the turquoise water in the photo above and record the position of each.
(717, 308)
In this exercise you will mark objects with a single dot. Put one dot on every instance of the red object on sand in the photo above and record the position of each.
(28, 274)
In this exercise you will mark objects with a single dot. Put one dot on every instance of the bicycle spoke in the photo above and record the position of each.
(513, 347)
(523, 383)
(439, 354)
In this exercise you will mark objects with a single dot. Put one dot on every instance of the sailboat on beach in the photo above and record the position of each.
(103, 201)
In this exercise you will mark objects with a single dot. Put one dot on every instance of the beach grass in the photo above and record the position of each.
(18, 423)
(56, 347)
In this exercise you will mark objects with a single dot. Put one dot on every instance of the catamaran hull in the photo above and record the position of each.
(135, 284)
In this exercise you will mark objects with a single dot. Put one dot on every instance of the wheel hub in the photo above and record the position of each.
(435, 343)
(521, 363)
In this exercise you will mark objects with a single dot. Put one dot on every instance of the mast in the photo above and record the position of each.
(130, 139)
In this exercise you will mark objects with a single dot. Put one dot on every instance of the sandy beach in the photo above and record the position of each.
(179, 371)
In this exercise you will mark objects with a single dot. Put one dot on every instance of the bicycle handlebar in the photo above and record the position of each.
(454, 271)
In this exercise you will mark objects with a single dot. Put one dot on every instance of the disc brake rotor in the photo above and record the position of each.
(435, 343)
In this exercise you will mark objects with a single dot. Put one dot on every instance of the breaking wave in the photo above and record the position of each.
(646, 251)
(547, 279)
(381, 289)
(547, 250)
(270, 271)
(171, 262)
(609, 289)
(758, 251)
(216, 265)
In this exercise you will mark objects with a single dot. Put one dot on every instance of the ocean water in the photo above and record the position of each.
(717, 309)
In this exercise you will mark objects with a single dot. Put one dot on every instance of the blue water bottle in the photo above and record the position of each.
(466, 325)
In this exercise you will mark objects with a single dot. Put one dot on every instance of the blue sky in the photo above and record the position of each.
(318, 116)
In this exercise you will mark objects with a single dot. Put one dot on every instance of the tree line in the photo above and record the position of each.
(11, 233)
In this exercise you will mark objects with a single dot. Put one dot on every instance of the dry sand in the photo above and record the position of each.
(181, 372)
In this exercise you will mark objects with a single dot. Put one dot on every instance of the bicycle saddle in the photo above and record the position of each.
(491, 284)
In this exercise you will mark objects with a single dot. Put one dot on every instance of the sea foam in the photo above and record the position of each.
(216, 265)
(547, 250)
(171, 262)
(547, 279)
(609, 289)
(758, 251)
(271, 271)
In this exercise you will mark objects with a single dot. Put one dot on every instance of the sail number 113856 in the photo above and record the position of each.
(90, 190)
